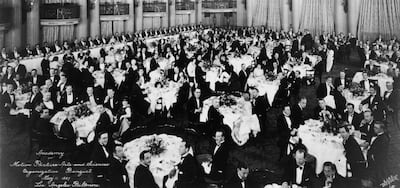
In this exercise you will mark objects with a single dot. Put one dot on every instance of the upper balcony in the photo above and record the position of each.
(155, 6)
(60, 11)
(114, 9)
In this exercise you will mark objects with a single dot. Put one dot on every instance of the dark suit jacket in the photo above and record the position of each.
(340, 102)
(191, 107)
(337, 82)
(338, 182)
(6, 99)
(308, 178)
(115, 174)
(392, 100)
(283, 131)
(261, 106)
(376, 106)
(219, 161)
(353, 151)
(85, 98)
(243, 79)
(214, 117)
(372, 83)
(64, 103)
(236, 182)
(356, 119)
(367, 134)
(116, 105)
(67, 135)
(297, 116)
(39, 80)
(38, 98)
(143, 178)
(322, 91)
(378, 151)
(187, 172)
(104, 124)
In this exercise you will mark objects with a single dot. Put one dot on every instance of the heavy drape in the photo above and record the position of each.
(379, 17)
(106, 28)
(317, 16)
(266, 13)
(60, 33)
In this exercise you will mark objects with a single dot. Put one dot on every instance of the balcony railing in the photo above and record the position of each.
(114, 9)
(219, 4)
(154, 7)
(60, 11)
(5, 15)
(185, 5)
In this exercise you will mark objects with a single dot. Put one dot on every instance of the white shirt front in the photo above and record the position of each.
(350, 118)
(299, 174)
(70, 98)
(216, 148)
(105, 151)
(49, 105)
(289, 122)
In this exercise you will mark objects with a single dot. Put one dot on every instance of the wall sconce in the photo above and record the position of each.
(29, 5)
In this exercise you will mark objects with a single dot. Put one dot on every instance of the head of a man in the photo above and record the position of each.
(145, 158)
(103, 138)
(242, 171)
(219, 137)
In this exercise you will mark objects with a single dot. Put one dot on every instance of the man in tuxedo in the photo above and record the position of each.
(90, 97)
(378, 154)
(68, 98)
(330, 178)
(243, 75)
(341, 80)
(325, 89)
(239, 179)
(117, 173)
(375, 104)
(8, 99)
(35, 79)
(143, 178)
(340, 101)
(36, 98)
(220, 154)
(298, 112)
(194, 106)
(174, 74)
(20, 69)
(187, 168)
(67, 133)
(366, 83)
(101, 155)
(285, 130)
(53, 77)
(260, 108)
(352, 117)
(104, 124)
(391, 99)
(111, 102)
(367, 126)
(354, 155)
(298, 171)
(215, 118)
(323, 112)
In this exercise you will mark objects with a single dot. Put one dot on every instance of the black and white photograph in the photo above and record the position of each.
(199, 93)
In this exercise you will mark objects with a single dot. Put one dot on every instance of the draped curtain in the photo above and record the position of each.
(118, 26)
(379, 18)
(267, 12)
(60, 33)
(106, 28)
(317, 16)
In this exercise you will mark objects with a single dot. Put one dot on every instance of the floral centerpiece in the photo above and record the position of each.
(270, 76)
(227, 100)
(155, 144)
(82, 110)
(356, 89)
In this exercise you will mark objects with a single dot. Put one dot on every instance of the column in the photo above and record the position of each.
(199, 11)
(94, 18)
(240, 13)
(296, 14)
(33, 25)
(353, 11)
(130, 23)
(285, 14)
(82, 27)
(13, 36)
(340, 17)
(171, 13)
(248, 11)
(139, 15)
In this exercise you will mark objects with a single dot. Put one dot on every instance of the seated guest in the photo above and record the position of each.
(68, 98)
(194, 106)
(375, 104)
(340, 101)
(341, 80)
(352, 117)
(298, 171)
(174, 74)
(378, 154)
(101, 155)
(117, 173)
(143, 178)
(187, 168)
(367, 126)
(111, 102)
(329, 178)
(220, 153)
(354, 155)
(392, 104)
(323, 112)
(90, 97)
(239, 179)
(44, 129)
(124, 115)
(48, 103)
(365, 83)
(104, 124)
(67, 133)
(260, 107)
(285, 130)
(8, 99)
(215, 118)
(298, 112)
(35, 98)
(325, 89)
(35, 79)
(243, 75)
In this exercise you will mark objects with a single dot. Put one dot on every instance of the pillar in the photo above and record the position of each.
(171, 13)
(82, 27)
(13, 36)
(130, 23)
(353, 12)
(139, 15)
(248, 12)
(285, 14)
(95, 18)
(33, 25)
(199, 11)
(340, 17)
(296, 14)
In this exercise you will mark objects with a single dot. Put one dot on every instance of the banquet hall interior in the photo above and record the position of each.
(200, 93)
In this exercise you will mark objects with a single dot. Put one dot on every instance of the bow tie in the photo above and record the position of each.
(300, 167)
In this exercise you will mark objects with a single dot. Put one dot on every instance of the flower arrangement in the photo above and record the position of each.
(82, 110)
(356, 89)
(227, 100)
(155, 144)
(270, 76)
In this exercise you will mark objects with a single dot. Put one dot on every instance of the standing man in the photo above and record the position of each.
(143, 178)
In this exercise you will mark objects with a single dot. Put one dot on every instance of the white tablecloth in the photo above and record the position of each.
(302, 69)
(265, 87)
(238, 117)
(324, 146)
(237, 62)
(381, 78)
(356, 100)
(212, 76)
(168, 93)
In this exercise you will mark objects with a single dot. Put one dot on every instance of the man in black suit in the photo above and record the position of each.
(117, 173)
(111, 102)
(8, 99)
(285, 130)
(20, 69)
(340, 101)
(298, 171)
(341, 80)
(101, 155)
(378, 154)
(187, 168)
(35, 79)
(354, 155)
(214, 117)
(375, 104)
(104, 124)
(220, 154)
(36, 98)
(367, 84)
(324, 112)
(239, 179)
(260, 107)
(330, 178)
(391, 99)
(367, 126)
(90, 96)
(67, 133)
(173, 74)
(194, 106)
(352, 117)
(325, 89)
(298, 112)
(243, 75)
(68, 98)
(143, 178)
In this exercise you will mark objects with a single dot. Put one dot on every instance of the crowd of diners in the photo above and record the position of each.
(73, 82)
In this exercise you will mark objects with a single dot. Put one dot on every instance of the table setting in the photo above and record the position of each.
(167, 91)
(265, 86)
